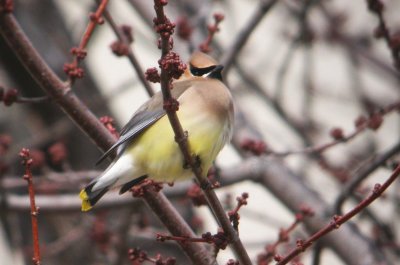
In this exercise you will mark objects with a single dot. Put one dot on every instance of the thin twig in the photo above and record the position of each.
(373, 122)
(361, 175)
(79, 52)
(352, 247)
(339, 220)
(212, 29)
(181, 139)
(27, 162)
(284, 234)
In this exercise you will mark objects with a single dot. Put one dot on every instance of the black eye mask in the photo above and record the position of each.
(201, 71)
(213, 71)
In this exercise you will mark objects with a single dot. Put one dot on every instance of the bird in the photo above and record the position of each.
(147, 147)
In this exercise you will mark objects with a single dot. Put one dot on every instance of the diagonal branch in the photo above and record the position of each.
(346, 242)
(339, 220)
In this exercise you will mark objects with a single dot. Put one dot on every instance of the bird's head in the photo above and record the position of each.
(203, 65)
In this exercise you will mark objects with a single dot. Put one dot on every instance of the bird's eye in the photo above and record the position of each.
(201, 71)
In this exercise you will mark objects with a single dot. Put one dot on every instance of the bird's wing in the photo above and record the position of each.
(139, 122)
(145, 116)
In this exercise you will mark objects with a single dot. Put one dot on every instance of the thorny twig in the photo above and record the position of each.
(212, 29)
(362, 123)
(72, 69)
(271, 249)
(234, 214)
(338, 220)
(27, 162)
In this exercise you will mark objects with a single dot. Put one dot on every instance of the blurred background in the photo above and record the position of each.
(307, 68)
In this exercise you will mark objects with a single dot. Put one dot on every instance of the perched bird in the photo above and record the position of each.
(147, 147)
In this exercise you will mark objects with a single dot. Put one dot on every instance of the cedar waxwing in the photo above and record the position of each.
(147, 147)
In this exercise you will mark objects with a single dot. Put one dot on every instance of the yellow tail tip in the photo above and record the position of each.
(86, 206)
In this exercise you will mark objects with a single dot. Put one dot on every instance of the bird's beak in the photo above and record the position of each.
(216, 72)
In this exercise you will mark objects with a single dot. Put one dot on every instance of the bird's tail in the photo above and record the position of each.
(113, 176)
(89, 197)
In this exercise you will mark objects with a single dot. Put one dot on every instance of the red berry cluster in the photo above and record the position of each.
(171, 104)
(140, 189)
(184, 29)
(26, 157)
(119, 48)
(164, 26)
(256, 147)
(73, 71)
(152, 75)
(136, 254)
(373, 122)
(79, 53)
(171, 63)
(337, 134)
(108, 122)
(219, 239)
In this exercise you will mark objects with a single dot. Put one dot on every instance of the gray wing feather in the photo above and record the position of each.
(145, 116)
(136, 125)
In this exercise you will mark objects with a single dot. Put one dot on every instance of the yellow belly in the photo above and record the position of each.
(156, 152)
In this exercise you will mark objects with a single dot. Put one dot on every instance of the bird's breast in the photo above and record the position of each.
(156, 151)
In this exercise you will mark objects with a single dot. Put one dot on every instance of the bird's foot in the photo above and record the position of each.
(196, 162)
